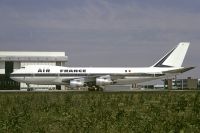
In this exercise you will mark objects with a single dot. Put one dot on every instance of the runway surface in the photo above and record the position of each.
(52, 91)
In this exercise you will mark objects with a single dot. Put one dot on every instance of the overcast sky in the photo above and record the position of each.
(103, 32)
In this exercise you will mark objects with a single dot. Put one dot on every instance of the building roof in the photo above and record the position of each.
(30, 53)
(32, 56)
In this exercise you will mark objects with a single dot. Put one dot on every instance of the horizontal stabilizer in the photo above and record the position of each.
(180, 70)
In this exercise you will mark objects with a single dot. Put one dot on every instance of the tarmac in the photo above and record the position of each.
(134, 90)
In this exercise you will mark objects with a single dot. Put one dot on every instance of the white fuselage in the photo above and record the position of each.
(167, 66)
(57, 75)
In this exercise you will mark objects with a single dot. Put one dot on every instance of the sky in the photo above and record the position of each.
(110, 33)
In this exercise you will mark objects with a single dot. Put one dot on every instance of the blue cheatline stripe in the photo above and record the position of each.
(85, 75)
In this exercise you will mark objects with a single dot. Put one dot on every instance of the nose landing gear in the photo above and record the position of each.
(29, 88)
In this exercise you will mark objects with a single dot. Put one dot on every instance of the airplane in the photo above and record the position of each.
(99, 77)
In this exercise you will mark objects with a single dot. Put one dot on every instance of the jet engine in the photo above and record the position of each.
(104, 80)
(77, 83)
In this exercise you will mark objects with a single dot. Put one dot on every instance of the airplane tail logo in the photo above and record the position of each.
(175, 57)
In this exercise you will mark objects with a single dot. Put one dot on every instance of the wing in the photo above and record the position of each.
(92, 79)
(86, 79)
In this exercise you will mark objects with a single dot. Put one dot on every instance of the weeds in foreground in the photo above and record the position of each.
(100, 112)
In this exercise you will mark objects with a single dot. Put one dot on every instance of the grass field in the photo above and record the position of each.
(138, 112)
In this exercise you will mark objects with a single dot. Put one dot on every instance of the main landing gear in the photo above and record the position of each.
(95, 88)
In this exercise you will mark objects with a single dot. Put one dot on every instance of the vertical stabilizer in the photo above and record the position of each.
(175, 57)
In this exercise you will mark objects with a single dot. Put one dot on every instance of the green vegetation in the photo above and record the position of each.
(139, 112)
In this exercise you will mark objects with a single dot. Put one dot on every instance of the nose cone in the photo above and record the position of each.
(15, 77)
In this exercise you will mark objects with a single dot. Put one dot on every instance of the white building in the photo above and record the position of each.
(12, 60)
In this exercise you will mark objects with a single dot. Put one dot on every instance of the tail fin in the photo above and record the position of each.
(175, 57)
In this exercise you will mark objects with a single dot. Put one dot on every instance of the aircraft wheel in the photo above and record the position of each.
(91, 88)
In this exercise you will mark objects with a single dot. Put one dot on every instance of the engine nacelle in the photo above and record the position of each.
(104, 80)
(76, 83)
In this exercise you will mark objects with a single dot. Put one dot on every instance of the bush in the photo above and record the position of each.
(100, 112)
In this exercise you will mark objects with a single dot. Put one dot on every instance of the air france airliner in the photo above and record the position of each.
(169, 65)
